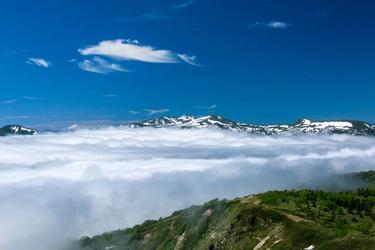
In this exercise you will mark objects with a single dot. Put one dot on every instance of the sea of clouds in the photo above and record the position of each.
(55, 187)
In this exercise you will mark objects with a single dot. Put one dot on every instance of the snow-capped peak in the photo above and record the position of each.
(303, 125)
(72, 127)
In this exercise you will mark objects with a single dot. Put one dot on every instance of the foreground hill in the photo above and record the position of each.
(304, 219)
(303, 125)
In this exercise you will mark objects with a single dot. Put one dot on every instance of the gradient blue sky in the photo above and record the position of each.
(118, 61)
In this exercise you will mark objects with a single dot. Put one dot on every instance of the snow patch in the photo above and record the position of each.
(309, 248)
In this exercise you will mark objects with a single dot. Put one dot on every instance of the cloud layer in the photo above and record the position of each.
(60, 186)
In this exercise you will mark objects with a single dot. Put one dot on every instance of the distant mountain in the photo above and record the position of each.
(303, 125)
(78, 127)
(72, 127)
(191, 122)
(17, 129)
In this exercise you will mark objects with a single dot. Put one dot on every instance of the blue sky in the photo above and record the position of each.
(118, 61)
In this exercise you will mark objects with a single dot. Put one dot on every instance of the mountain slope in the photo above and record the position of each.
(271, 220)
(16, 129)
(303, 125)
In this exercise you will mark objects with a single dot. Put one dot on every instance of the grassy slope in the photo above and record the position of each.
(282, 219)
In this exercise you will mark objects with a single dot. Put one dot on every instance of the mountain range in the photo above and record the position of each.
(303, 125)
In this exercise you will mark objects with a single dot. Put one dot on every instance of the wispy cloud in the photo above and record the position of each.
(18, 117)
(188, 59)
(212, 108)
(105, 116)
(183, 5)
(273, 25)
(39, 62)
(32, 98)
(133, 112)
(160, 111)
(101, 66)
(9, 101)
(155, 15)
(158, 13)
(16, 52)
(127, 50)
(109, 95)
(207, 107)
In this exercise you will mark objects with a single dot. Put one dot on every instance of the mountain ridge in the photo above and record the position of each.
(302, 125)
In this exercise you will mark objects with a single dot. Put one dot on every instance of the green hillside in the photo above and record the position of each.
(272, 220)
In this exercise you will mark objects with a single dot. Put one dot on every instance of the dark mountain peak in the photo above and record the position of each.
(303, 121)
(17, 129)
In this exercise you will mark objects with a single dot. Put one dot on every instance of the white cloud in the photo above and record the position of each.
(66, 185)
(160, 111)
(278, 25)
(273, 24)
(132, 41)
(39, 62)
(9, 101)
(123, 50)
(188, 59)
(133, 112)
(99, 65)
